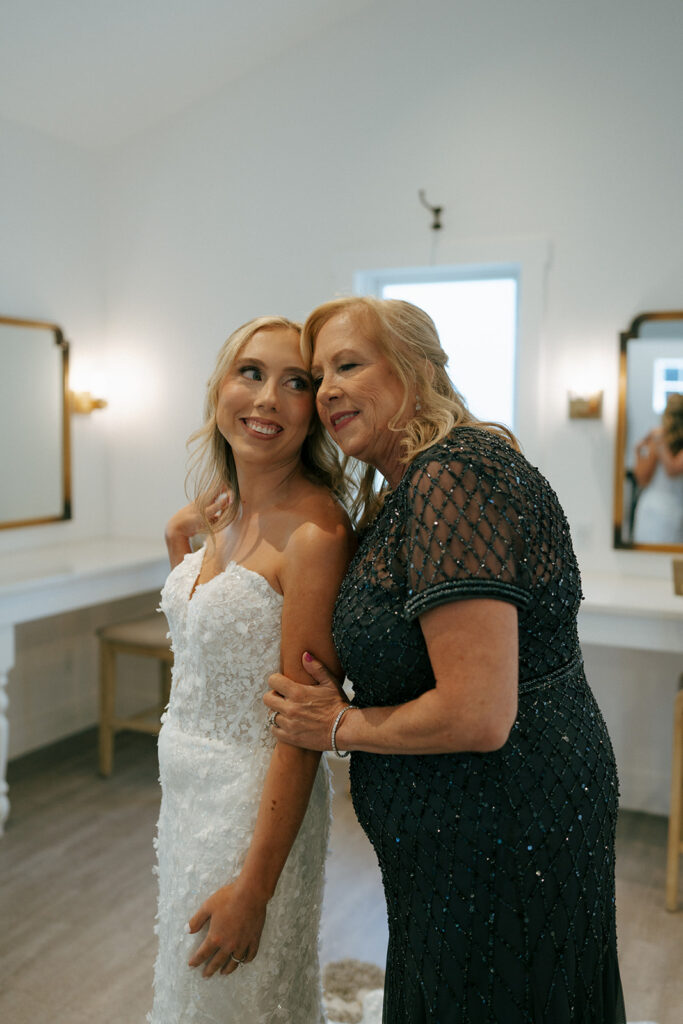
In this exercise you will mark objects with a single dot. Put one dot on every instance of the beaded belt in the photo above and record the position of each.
(559, 675)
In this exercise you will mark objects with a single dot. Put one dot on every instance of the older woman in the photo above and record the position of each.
(482, 771)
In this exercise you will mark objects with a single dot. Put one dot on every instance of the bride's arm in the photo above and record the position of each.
(185, 524)
(315, 564)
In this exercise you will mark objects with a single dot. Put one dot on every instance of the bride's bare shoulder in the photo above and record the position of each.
(319, 520)
(321, 507)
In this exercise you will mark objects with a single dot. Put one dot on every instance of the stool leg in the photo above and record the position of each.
(674, 840)
(107, 704)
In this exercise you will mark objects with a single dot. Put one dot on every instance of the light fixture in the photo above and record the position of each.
(83, 402)
(585, 407)
(677, 566)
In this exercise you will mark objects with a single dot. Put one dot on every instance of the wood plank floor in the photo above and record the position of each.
(77, 894)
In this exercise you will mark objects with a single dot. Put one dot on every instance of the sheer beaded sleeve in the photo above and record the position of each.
(465, 532)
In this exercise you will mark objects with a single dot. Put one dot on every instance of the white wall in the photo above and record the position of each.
(526, 119)
(52, 269)
(551, 121)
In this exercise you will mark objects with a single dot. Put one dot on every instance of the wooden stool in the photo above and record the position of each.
(145, 638)
(675, 844)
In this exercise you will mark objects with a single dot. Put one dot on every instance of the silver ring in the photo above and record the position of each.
(237, 959)
(272, 724)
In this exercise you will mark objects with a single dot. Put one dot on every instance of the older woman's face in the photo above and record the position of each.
(358, 392)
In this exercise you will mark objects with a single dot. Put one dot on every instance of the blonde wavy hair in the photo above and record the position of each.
(672, 422)
(211, 468)
(408, 339)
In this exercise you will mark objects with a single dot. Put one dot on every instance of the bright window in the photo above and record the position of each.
(475, 314)
(667, 379)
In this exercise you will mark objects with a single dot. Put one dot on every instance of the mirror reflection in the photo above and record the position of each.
(649, 459)
(34, 423)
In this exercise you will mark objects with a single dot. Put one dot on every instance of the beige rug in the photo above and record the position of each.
(353, 993)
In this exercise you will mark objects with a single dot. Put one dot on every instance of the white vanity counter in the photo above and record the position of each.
(630, 611)
(50, 580)
(46, 581)
(618, 611)
(631, 631)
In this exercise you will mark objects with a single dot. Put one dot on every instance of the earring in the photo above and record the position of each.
(418, 406)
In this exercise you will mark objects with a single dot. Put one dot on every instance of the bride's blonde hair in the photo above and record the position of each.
(408, 339)
(672, 422)
(212, 470)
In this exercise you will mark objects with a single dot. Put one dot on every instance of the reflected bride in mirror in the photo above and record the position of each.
(648, 500)
(658, 472)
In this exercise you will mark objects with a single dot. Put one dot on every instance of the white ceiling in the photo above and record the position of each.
(96, 72)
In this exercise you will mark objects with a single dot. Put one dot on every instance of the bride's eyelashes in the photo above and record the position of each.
(251, 372)
(299, 383)
(296, 382)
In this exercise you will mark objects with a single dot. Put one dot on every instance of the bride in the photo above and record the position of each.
(243, 825)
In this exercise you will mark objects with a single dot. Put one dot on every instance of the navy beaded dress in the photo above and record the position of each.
(498, 868)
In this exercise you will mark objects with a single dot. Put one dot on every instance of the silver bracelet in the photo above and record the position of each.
(337, 720)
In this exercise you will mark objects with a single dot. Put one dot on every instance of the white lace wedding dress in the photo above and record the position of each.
(214, 751)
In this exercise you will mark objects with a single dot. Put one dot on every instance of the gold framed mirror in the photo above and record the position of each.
(35, 444)
(648, 480)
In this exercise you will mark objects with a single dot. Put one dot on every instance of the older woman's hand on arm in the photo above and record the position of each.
(306, 713)
(472, 647)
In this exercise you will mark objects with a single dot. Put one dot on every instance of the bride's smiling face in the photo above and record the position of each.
(265, 402)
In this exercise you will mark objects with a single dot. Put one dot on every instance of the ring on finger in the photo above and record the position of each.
(272, 724)
(236, 958)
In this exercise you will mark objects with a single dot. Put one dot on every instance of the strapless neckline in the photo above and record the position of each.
(230, 565)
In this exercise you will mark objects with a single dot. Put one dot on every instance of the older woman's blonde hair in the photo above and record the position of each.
(408, 339)
(212, 468)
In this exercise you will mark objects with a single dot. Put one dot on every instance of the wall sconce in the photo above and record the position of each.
(585, 407)
(677, 566)
(83, 402)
